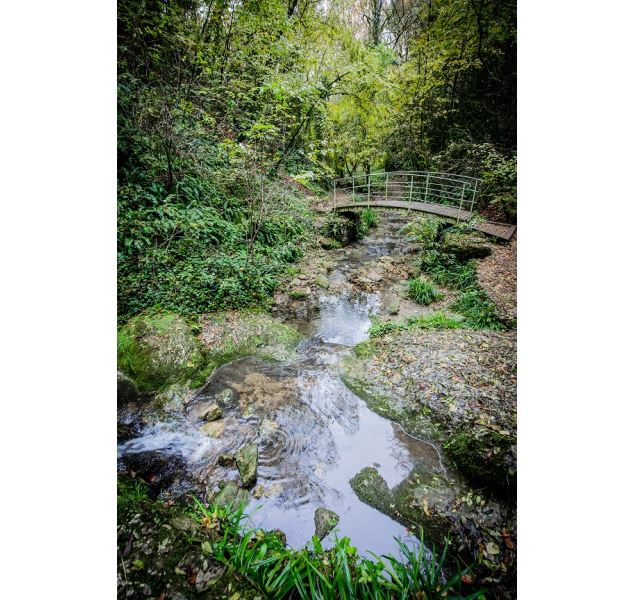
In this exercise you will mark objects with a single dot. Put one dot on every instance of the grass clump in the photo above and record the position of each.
(479, 311)
(369, 218)
(437, 320)
(423, 292)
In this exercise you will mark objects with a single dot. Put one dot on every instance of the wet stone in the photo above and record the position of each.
(231, 496)
(247, 463)
(322, 281)
(213, 413)
(213, 429)
(158, 470)
(226, 460)
(126, 431)
(226, 398)
(325, 521)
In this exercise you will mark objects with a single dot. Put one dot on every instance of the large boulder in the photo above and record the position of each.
(247, 463)
(465, 246)
(325, 521)
(486, 458)
(156, 349)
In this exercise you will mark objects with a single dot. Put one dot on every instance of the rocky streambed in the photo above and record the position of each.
(318, 437)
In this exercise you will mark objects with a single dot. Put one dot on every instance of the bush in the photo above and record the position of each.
(479, 311)
(200, 250)
(423, 291)
(369, 218)
(497, 193)
(426, 230)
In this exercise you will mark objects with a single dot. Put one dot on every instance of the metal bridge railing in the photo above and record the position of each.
(411, 186)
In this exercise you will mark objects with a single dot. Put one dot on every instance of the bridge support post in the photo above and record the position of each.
(461, 203)
(473, 197)
(425, 198)
(412, 177)
(334, 202)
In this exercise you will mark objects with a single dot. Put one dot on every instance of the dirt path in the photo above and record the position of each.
(497, 276)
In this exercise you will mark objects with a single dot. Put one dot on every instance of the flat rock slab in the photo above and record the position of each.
(247, 463)
(325, 521)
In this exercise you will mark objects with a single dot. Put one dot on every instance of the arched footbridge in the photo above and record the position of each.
(445, 195)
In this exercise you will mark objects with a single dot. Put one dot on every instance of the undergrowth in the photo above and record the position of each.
(369, 218)
(444, 268)
(202, 247)
(313, 572)
(438, 320)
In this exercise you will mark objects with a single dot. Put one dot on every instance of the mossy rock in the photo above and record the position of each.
(247, 463)
(343, 227)
(231, 496)
(156, 349)
(465, 246)
(230, 335)
(486, 458)
(407, 502)
(329, 243)
(325, 521)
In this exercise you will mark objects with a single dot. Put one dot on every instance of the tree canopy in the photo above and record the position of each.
(218, 99)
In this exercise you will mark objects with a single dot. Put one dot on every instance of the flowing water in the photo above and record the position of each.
(313, 434)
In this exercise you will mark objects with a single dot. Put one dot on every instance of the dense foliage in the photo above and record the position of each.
(220, 102)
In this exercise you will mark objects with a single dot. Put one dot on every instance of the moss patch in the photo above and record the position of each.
(486, 458)
(411, 502)
(466, 246)
(156, 349)
(234, 334)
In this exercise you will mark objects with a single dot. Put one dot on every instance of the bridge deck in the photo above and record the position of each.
(501, 230)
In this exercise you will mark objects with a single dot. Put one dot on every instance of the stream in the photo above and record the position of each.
(313, 434)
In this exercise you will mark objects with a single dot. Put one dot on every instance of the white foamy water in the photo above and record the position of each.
(172, 437)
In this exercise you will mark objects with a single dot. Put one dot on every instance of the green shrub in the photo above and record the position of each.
(426, 230)
(423, 291)
(369, 218)
(497, 193)
(202, 248)
(479, 311)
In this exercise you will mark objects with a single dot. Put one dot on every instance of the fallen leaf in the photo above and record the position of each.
(492, 548)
